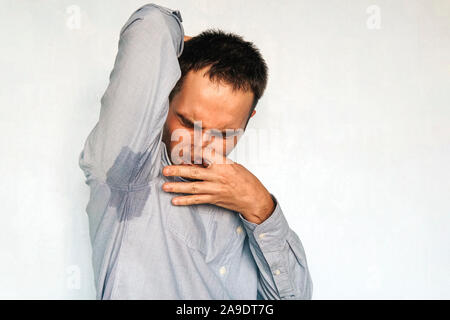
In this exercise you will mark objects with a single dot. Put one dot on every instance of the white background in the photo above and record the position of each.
(358, 101)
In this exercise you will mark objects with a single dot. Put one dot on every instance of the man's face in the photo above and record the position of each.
(216, 105)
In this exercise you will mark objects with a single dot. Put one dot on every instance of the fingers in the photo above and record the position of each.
(194, 199)
(192, 172)
(203, 187)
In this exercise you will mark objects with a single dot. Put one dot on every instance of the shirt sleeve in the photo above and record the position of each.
(280, 258)
(135, 104)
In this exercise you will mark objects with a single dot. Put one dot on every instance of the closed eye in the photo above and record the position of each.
(186, 122)
(223, 134)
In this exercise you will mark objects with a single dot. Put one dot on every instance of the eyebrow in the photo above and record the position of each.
(191, 124)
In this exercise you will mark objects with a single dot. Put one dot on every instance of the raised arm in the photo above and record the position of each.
(135, 104)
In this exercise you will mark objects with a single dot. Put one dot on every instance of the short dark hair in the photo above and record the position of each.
(231, 60)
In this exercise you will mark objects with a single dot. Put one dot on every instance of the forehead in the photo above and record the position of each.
(215, 103)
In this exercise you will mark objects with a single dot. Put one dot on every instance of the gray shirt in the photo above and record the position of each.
(143, 246)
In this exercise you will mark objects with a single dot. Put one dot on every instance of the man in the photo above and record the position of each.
(202, 230)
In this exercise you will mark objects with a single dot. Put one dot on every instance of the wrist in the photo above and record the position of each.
(262, 212)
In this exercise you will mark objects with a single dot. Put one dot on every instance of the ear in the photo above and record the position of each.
(253, 113)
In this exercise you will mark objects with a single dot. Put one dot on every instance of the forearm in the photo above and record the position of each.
(280, 258)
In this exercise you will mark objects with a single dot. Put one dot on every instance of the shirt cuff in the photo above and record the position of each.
(271, 234)
(268, 241)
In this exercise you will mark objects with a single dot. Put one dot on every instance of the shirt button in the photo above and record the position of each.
(239, 229)
(277, 272)
(222, 270)
(262, 235)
